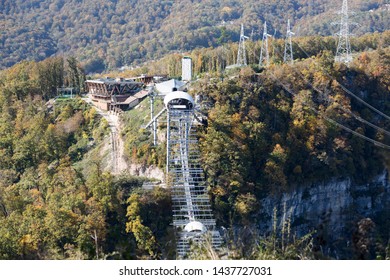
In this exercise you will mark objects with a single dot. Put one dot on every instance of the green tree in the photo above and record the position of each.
(142, 234)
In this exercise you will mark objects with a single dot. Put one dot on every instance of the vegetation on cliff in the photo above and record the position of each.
(259, 140)
(52, 205)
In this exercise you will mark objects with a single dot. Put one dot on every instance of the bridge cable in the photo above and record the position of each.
(339, 105)
(348, 91)
(377, 143)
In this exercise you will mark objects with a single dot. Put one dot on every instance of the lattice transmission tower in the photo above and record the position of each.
(264, 54)
(288, 50)
(241, 56)
(343, 52)
(192, 213)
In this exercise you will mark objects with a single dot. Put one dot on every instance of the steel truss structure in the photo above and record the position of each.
(264, 54)
(288, 50)
(192, 213)
(241, 56)
(343, 52)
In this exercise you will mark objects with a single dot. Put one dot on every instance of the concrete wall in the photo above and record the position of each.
(103, 105)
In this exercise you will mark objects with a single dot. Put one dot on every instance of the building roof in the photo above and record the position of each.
(128, 100)
(110, 81)
(179, 99)
(141, 94)
(169, 86)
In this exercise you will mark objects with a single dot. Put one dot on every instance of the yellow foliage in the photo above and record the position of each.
(28, 243)
(246, 204)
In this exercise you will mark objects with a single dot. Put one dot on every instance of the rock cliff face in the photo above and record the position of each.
(151, 172)
(334, 211)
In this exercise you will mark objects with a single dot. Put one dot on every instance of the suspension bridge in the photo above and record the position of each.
(192, 213)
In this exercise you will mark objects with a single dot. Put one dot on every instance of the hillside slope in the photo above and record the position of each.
(118, 32)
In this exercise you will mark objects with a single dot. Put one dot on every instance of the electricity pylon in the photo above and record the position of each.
(288, 51)
(241, 57)
(343, 53)
(264, 54)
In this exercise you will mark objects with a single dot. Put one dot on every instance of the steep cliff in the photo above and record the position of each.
(341, 215)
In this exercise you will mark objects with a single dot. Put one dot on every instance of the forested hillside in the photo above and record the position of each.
(261, 139)
(56, 201)
(265, 137)
(109, 34)
(268, 130)
(215, 60)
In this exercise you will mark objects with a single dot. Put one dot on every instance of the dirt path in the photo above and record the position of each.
(116, 160)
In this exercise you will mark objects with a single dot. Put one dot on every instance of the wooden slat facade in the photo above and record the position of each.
(110, 93)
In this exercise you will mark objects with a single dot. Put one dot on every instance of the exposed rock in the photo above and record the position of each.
(333, 210)
(146, 171)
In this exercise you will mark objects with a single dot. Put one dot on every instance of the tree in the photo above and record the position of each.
(143, 235)
(75, 74)
(50, 76)
(274, 170)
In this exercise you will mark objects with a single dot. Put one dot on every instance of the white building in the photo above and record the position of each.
(186, 68)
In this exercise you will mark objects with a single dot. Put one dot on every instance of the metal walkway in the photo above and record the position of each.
(192, 213)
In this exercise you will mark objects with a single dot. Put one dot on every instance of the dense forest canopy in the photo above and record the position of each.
(267, 130)
(56, 202)
(109, 34)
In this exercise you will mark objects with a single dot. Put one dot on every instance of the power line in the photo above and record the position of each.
(350, 112)
(341, 107)
(349, 92)
(364, 102)
(379, 144)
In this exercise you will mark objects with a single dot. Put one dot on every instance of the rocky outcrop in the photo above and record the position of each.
(332, 210)
(151, 172)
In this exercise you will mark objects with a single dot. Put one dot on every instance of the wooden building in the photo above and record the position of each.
(109, 94)
(148, 79)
